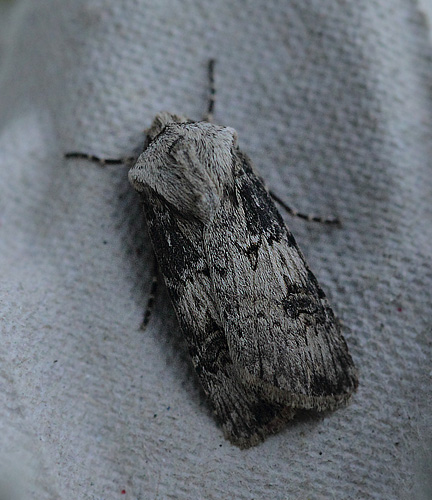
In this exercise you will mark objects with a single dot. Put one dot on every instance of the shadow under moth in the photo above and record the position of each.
(263, 339)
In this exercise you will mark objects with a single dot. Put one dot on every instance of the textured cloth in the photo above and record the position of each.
(332, 101)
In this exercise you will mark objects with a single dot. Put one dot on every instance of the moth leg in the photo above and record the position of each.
(152, 295)
(100, 161)
(308, 217)
(208, 117)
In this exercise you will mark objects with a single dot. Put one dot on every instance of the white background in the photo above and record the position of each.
(332, 100)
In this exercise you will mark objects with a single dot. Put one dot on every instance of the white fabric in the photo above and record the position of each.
(332, 101)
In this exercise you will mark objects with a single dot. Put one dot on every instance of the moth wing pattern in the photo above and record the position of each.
(263, 339)
(245, 414)
(286, 342)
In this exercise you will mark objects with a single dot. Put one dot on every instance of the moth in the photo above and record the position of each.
(262, 336)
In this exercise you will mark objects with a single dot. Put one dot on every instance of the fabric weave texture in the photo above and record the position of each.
(332, 101)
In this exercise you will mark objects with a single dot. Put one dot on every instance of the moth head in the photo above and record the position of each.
(160, 121)
(186, 164)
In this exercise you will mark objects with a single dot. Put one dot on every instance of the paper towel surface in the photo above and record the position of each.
(332, 101)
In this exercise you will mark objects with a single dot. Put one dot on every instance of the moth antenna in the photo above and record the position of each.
(208, 117)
